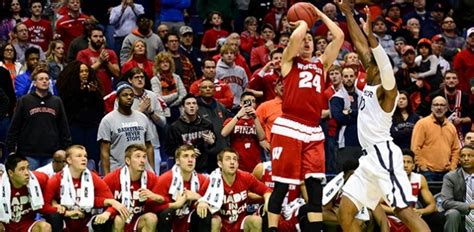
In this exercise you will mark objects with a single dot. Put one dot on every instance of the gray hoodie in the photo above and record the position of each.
(153, 45)
(235, 77)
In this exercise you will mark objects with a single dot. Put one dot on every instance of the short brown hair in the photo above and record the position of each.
(72, 147)
(133, 148)
(220, 156)
(42, 67)
(335, 67)
(181, 149)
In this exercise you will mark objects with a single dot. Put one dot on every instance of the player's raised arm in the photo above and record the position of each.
(387, 77)
(332, 50)
(296, 38)
(357, 36)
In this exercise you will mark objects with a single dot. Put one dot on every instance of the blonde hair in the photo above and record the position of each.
(52, 45)
(132, 50)
(73, 147)
(163, 56)
(227, 48)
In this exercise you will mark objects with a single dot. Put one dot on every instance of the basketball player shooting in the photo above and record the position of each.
(380, 173)
(297, 140)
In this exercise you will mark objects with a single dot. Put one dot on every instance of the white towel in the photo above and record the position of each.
(68, 192)
(289, 209)
(215, 191)
(177, 184)
(34, 190)
(125, 184)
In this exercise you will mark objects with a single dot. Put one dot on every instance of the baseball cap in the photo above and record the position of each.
(185, 29)
(438, 37)
(393, 4)
(408, 48)
(438, 7)
(424, 41)
(469, 31)
(400, 38)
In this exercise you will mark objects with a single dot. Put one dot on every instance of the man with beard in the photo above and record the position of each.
(192, 129)
(103, 61)
(81, 42)
(344, 108)
(459, 110)
(121, 128)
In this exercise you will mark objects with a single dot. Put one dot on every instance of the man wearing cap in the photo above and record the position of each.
(144, 32)
(121, 128)
(186, 48)
(438, 46)
(416, 88)
(261, 54)
(463, 63)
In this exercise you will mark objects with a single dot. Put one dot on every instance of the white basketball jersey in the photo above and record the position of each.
(373, 123)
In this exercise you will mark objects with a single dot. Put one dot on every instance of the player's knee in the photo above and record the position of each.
(254, 222)
(150, 219)
(44, 227)
(277, 197)
(119, 222)
(315, 195)
(216, 223)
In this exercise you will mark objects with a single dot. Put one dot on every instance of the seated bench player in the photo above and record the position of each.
(181, 187)
(73, 193)
(227, 196)
(21, 196)
(131, 185)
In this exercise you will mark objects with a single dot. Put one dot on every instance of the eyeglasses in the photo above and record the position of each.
(139, 77)
(8, 50)
(438, 105)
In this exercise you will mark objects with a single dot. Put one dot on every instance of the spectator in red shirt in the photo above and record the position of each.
(250, 38)
(260, 55)
(103, 61)
(463, 63)
(71, 25)
(276, 13)
(245, 133)
(209, 40)
(181, 187)
(39, 30)
(79, 180)
(22, 206)
(222, 91)
(138, 58)
(264, 80)
(131, 185)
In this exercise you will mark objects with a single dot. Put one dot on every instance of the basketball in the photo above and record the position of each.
(303, 11)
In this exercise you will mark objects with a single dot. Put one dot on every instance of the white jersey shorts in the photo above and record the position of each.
(380, 175)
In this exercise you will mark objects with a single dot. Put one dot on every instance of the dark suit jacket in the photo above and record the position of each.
(454, 191)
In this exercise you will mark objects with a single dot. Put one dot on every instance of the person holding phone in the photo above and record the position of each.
(245, 133)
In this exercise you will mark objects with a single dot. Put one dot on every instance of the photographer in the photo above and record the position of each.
(245, 133)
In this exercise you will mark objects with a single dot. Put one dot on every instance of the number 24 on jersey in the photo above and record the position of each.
(307, 80)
